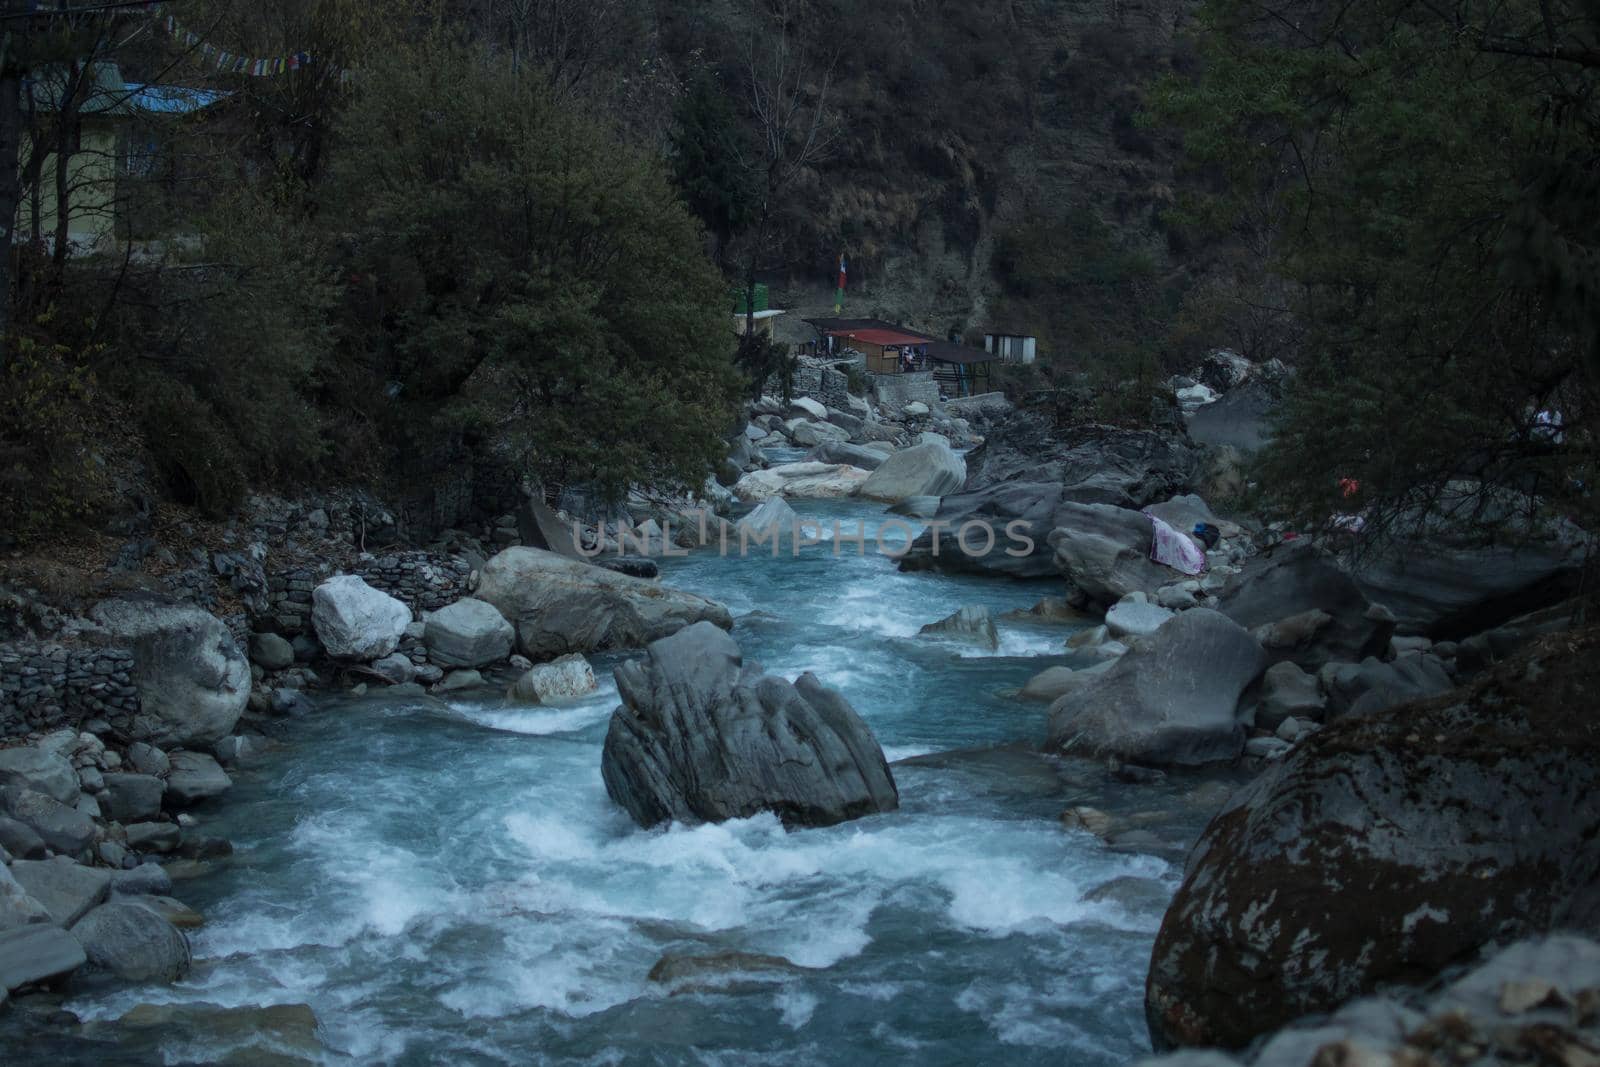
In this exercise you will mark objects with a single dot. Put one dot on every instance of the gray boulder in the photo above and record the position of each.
(1105, 551)
(837, 452)
(700, 739)
(396, 668)
(917, 507)
(145, 880)
(193, 679)
(133, 943)
(36, 953)
(1294, 581)
(770, 519)
(808, 434)
(1449, 591)
(1130, 618)
(567, 678)
(1387, 847)
(468, 633)
(930, 469)
(65, 889)
(560, 605)
(971, 624)
(1172, 699)
(1051, 684)
(148, 759)
(61, 828)
(19, 840)
(355, 621)
(1372, 685)
(43, 771)
(1287, 692)
(539, 527)
(133, 797)
(1092, 464)
(195, 777)
(153, 836)
(272, 652)
(17, 907)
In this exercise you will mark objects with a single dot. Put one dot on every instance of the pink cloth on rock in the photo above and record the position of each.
(1175, 549)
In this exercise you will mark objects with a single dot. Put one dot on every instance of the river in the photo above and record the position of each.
(447, 882)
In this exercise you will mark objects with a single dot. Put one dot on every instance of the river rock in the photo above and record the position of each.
(1286, 587)
(807, 408)
(801, 481)
(396, 668)
(1449, 591)
(917, 507)
(196, 777)
(1105, 551)
(1371, 685)
(929, 469)
(1136, 619)
(271, 651)
(192, 678)
(1386, 847)
(175, 912)
(456, 681)
(1288, 692)
(843, 452)
(38, 952)
(65, 889)
(45, 772)
(468, 633)
(539, 527)
(567, 678)
(1173, 699)
(20, 840)
(288, 1030)
(60, 827)
(133, 797)
(153, 836)
(698, 739)
(971, 624)
(145, 758)
(355, 621)
(808, 434)
(17, 907)
(1049, 684)
(560, 605)
(1093, 464)
(772, 520)
(133, 943)
(145, 880)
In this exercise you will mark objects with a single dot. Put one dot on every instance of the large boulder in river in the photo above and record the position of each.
(192, 677)
(355, 621)
(32, 767)
(801, 481)
(1293, 583)
(468, 633)
(1387, 847)
(700, 739)
(1021, 516)
(837, 452)
(1105, 551)
(1172, 699)
(563, 605)
(1094, 464)
(134, 943)
(930, 469)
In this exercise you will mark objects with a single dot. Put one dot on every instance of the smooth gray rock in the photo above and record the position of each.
(539, 527)
(1049, 684)
(61, 828)
(837, 452)
(355, 621)
(1092, 464)
(145, 880)
(1183, 512)
(396, 668)
(133, 943)
(1449, 591)
(66, 889)
(469, 633)
(17, 907)
(192, 677)
(42, 771)
(38, 952)
(1288, 692)
(917, 507)
(271, 651)
(1387, 847)
(147, 759)
(770, 519)
(1133, 619)
(20, 840)
(1294, 581)
(458, 680)
(196, 777)
(1105, 551)
(930, 469)
(561, 605)
(1371, 686)
(133, 797)
(698, 739)
(153, 836)
(1172, 699)
(970, 624)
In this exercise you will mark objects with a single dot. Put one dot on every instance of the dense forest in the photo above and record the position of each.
(400, 240)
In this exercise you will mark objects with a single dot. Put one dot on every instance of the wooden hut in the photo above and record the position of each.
(960, 370)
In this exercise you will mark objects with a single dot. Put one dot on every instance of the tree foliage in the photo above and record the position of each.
(1429, 174)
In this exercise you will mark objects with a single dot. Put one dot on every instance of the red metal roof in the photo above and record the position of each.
(880, 337)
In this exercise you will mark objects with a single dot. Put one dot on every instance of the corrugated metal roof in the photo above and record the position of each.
(172, 99)
(880, 337)
(948, 352)
(841, 326)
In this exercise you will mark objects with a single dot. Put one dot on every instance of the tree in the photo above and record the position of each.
(706, 150)
(1430, 173)
(520, 275)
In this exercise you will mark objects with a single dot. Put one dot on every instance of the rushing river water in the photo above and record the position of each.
(447, 882)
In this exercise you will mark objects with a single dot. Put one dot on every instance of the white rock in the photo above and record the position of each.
(930, 469)
(804, 405)
(566, 678)
(355, 621)
(915, 409)
(801, 481)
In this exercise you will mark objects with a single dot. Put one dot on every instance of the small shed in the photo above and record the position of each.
(1010, 346)
(887, 348)
(960, 370)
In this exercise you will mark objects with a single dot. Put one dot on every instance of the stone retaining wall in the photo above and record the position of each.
(895, 391)
(43, 686)
(423, 580)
